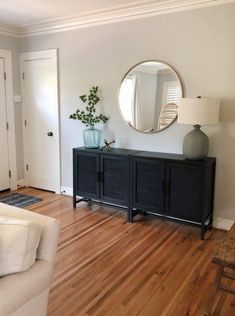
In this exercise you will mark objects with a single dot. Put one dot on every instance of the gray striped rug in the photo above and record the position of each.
(19, 200)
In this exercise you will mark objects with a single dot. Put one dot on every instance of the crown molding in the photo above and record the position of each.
(9, 30)
(112, 14)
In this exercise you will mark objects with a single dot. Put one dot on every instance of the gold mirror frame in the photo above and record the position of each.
(118, 94)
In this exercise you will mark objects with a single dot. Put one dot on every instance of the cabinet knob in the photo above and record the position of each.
(101, 177)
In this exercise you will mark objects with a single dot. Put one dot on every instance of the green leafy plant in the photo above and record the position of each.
(88, 117)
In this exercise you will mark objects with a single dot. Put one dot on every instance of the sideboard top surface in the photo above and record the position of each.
(145, 154)
(114, 151)
(169, 156)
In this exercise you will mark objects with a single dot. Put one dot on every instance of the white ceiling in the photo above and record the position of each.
(25, 12)
(34, 17)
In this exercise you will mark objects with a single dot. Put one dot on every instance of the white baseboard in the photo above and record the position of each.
(222, 223)
(21, 182)
(67, 191)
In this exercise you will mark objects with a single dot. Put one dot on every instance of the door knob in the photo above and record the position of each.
(49, 134)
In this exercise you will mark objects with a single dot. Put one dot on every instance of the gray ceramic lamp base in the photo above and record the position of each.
(196, 144)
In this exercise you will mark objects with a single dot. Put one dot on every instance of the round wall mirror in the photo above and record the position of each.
(149, 96)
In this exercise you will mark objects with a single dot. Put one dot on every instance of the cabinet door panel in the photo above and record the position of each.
(114, 180)
(148, 184)
(184, 190)
(86, 167)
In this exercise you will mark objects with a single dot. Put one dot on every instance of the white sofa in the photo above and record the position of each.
(26, 293)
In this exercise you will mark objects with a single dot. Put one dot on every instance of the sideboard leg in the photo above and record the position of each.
(203, 230)
(130, 215)
(74, 201)
(210, 225)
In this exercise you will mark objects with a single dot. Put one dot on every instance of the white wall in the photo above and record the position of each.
(199, 44)
(12, 44)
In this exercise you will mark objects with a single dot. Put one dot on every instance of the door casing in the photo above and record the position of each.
(7, 56)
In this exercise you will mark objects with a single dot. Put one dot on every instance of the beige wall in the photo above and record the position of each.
(199, 44)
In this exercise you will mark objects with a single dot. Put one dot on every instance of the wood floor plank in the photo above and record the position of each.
(107, 266)
(140, 276)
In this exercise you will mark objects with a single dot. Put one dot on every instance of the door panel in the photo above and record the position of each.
(40, 115)
(114, 180)
(86, 168)
(4, 158)
(40, 102)
(184, 191)
(148, 184)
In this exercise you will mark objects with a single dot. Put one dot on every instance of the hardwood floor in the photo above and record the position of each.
(107, 266)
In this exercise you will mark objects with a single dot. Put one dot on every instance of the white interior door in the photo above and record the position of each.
(40, 119)
(4, 158)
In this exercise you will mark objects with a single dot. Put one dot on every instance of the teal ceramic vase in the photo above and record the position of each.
(91, 137)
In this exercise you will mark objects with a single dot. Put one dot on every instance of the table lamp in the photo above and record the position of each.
(198, 111)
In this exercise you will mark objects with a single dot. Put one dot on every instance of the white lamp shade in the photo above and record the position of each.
(201, 111)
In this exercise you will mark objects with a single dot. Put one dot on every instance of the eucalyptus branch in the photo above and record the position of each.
(88, 116)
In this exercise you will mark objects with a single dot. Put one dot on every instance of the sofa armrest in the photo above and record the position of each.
(19, 288)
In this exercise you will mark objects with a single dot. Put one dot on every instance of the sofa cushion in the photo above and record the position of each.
(19, 240)
(49, 226)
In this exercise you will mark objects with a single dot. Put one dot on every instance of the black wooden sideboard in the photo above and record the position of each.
(166, 185)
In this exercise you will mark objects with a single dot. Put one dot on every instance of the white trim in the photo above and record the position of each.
(67, 191)
(112, 14)
(222, 223)
(6, 55)
(21, 182)
(42, 54)
(118, 14)
(10, 30)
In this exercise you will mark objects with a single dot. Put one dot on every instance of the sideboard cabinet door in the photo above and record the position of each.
(114, 179)
(86, 174)
(184, 190)
(148, 184)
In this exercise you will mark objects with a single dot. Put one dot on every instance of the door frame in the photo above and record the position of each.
(41, 54)
(7, 56)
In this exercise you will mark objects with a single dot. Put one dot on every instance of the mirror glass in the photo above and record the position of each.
(149, 96)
